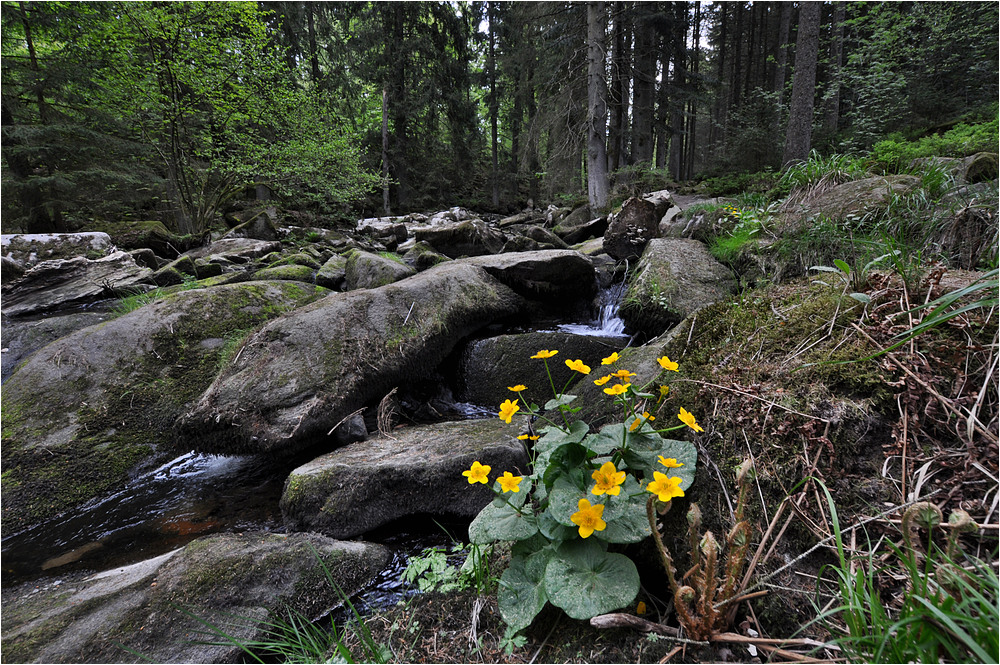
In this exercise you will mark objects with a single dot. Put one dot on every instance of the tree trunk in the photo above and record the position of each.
(494, 106)
(831, 116)
(385, 151)
(618, 95)
(679, 39)
(692, 129)
(644, 89)
(799, 136)
(313, 50)
(781, 57)
(597, 108)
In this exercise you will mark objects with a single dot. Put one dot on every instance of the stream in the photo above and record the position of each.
(198, 494)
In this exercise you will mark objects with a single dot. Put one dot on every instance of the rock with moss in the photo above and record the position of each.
(674, 278)
(303, 258)
(470, 237)
(138, 234)
(22, 337)
(333, 273)
(298, 377)
(175, 272)
(422, 256)
(367, 270)
(293, 272)
(418, 470)
(545, 238)
(66, 282)
(980, 167)
(86, 412)
(584, 229)
(488, 366)
(157, 609)
(856, 198)
(235, 250)
(259, 225)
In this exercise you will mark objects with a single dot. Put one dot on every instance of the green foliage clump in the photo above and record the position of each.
(730, 184)
(894, 154)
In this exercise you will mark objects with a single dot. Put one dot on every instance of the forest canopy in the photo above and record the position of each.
(172, 111)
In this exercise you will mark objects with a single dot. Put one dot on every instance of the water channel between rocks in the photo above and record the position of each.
(198, 494)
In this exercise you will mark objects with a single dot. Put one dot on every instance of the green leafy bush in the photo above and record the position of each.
(895, 153)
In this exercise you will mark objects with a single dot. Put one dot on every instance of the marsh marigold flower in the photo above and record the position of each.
(601, 381)
(667, 364)
(509, 482)
(670, 462)
(610, 359)
(623, 374)
(518, 388)
(688, 419)
(588, 518)
(578, 366)
(528, 437)
(618, 389)
(478, 473)
(638, 421)
(665, 488)
(663, 391)
(545, 353)
(508, 409)
(608, 480)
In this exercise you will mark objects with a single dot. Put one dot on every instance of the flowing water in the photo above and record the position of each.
(607, 322)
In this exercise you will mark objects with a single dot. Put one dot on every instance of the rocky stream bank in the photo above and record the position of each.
(364, 369)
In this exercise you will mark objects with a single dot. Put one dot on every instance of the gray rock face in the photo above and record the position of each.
(261, 226)
(216, 579)
(550, 274)
(22, 338)
(297, 377)
(471, 237)
(65, 282)
(631, 228)
(850, 198)
(235, 250)
(364, 270)
(489, 366)
(333, 273)
(88, 410)
(419, 470)
(31, 248)
(674, 278)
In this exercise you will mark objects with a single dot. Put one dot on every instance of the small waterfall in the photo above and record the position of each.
(608, 323)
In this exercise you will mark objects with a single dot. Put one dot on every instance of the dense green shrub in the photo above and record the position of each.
(895, 153)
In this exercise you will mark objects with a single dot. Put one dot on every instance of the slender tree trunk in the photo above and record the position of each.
(644, 89)
(692, 130)
(597, 108)
(781, 57)
(494, 105)
(831, 116)
(310, 9)
(385, 151)
(798, 139)
(679, 40)
(618, 94)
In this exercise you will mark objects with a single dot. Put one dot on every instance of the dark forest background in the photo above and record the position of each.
(173, 110)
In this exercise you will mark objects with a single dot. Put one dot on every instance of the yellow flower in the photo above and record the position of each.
(638, 421)
(508, 409)
(518, 388)
(509, 482)
(544, 353)
(667, 364)
(578, 366)
(689, 420)
(665, 488)
(610, 359)
(588, 518)
(618, 389)
(640, 608)
(526, 437)
(623, 374)
(663, 391)
(670, 462)
(609, 479)
(479, 473)
(601, 381)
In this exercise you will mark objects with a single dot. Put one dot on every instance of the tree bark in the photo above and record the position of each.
(494, 105)
(644, 88)
(798, 139)
(831, 116)
(385, 151)
(781, 57)
(597, 108)
(618, 94)
(679, 39)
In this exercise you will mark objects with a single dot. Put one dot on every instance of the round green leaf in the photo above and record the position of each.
(684, 452)
(495, 523)
(521, 594)
(625, 515)
(585, 581)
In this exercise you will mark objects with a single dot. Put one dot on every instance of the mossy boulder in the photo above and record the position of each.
(558, 277)
(175, 271)
(333, 273)
(293, 272)
(20, 338)
(850, 199)
(422, 256)
(674, 278)
(86, 412)
(630, 228)
(132, 234)
(155, 608)
(297, 377)
(365, 270)
(235, 250)
(418, 470)
(27, 249)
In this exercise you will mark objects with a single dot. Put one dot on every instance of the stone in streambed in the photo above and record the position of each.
(156, 607)
(418, 470)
